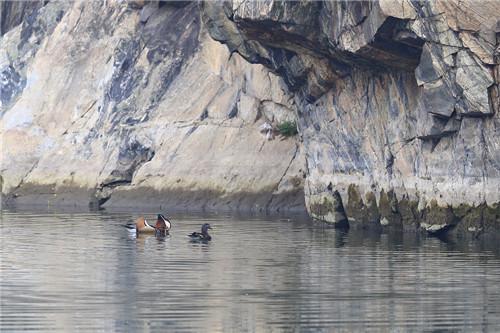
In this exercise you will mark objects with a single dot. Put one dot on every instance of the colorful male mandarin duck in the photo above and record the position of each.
(141, 226)
(203, 236)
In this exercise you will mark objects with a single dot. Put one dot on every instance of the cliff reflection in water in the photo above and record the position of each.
(68, 272)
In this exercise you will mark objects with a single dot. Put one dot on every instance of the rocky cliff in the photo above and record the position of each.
(397, 104)
(396, 101)
(119, 104)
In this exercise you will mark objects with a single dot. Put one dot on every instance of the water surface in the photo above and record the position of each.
(84, 272)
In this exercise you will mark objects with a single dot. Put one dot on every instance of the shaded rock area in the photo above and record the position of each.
(179, 104)
(12, 13)
(397, 104)
(113, 104)
(31, 22)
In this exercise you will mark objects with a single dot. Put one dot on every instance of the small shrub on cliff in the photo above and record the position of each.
(288, 128)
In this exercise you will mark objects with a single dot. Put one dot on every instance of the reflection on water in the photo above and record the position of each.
(85, 272)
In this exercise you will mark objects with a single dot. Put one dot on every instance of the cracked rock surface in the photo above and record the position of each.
(397, 103)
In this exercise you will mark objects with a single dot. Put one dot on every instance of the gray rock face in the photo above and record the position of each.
(12, 13)
(120, 104)
(398, 102)
(34, 21)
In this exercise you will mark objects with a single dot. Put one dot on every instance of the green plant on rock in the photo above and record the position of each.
(288, 128)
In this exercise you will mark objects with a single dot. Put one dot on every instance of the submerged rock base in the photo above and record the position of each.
(291, 201)
(386, 211)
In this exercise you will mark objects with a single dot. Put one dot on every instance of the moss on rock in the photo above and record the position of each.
(438, 215)
(404, 213)
(328, 207)
(491, 217)
(360, 214)
(389, 210)
(471, 219)
(372, 210)
(321, 208)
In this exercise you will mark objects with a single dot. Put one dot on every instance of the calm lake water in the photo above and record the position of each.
(72, 272)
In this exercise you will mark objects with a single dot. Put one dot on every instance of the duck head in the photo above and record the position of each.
(162, 223)
(204, 228)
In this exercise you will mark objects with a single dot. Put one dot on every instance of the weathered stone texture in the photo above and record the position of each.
(13, 12)
(138, 107)
(398, 101)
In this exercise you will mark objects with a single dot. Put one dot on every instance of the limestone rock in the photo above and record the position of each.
(438, 220)
(122, 106)
(12, 13)
(474, 80)
(402, 9)
(328, 207)
(369, 79)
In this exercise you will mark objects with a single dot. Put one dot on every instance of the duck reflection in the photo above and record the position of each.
(145, 241)
(340, 237)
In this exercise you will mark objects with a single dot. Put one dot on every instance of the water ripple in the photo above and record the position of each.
(85, 272)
